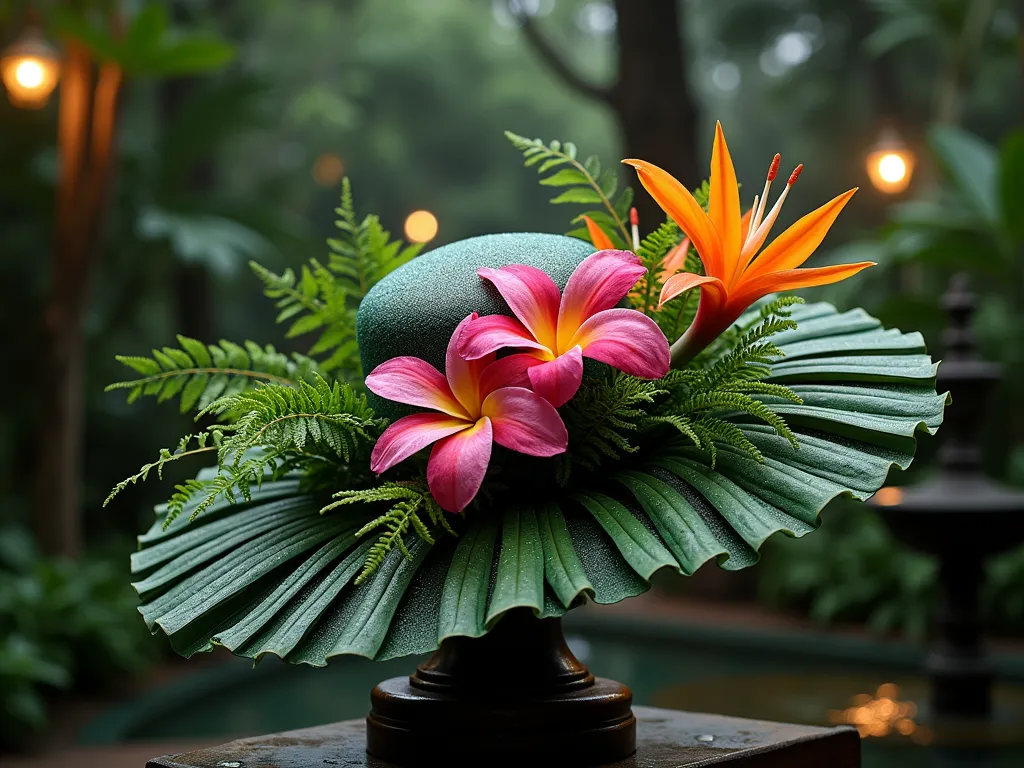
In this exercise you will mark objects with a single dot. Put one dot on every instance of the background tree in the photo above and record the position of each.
(649, 93)
(100, 48)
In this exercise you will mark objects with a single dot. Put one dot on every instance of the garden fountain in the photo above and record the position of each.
(960, 516)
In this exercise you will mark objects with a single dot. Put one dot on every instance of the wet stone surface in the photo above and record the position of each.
(665, 738)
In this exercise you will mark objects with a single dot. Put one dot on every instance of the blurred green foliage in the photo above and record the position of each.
(147, 47)
(852, 570)
(62, 622)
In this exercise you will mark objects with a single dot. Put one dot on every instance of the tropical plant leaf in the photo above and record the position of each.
(201, 373)
(584, 183)
(273, 575)
(972, 166)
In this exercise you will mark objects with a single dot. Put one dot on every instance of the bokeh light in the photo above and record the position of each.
(29, 69)
(890, 496)
(328, 169)
(882, 714)
(890, 164)
(29, 73)
(420, 227)
(892, 168)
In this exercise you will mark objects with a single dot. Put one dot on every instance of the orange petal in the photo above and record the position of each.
(678, 203)
(685, 281)
(600, 240)
(791, 279)
(674, 260)
(724, 202)
(793, 247)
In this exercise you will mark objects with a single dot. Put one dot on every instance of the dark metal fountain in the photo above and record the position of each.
(961, 517)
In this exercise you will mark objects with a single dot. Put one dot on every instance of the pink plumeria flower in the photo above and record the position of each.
(473, 404)
(558, 331)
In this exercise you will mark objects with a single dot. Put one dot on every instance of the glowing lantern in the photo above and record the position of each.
(420, 227)
(890, 164)
(29, 68)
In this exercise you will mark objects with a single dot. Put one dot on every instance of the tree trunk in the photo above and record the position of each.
(56, 520)
(652, 95)
(56, 517)
(85, 137)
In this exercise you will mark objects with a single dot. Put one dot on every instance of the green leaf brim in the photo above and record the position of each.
(274, 576)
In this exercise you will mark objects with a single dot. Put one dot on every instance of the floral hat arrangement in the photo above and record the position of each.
(519, 421)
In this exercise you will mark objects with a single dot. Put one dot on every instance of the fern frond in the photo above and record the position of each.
(201, 373)
(321, 419)
(205, 443)
(408, 501)
(731, 383)
(325, 298)
(281, 430)
(225, 484)
(682, 424)
(602, 417)
(584, 183)
(363, 253)
(278, 430)
(712, 430)
(765, 388)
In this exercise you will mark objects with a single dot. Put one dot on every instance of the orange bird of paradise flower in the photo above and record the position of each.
(729, 246)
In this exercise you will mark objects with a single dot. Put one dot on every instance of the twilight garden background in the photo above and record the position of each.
(232, 125)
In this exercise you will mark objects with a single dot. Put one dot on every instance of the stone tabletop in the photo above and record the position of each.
(665, 739)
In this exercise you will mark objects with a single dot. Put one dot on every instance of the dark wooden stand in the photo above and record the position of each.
(516, 693)
(665, 739)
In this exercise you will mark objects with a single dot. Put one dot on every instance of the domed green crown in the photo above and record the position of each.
(414, 310)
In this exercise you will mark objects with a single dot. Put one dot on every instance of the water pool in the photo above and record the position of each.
(793, 675)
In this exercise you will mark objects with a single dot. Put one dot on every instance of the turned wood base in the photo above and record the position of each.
(586, 727)
(513, 694)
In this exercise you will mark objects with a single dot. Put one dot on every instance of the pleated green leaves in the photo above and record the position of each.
(275, 576)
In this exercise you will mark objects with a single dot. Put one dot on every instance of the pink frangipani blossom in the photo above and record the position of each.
(557, 331)
(474, 403)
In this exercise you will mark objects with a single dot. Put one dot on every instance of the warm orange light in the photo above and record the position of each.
(890, 164)
(882, 714)
(420, 227)
(890, 496)
(29, 73)
(29, 69)
(328, 169)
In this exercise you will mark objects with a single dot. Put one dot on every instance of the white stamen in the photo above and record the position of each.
(756, 240)
(636, 237)
(753, 219)
(764, 200)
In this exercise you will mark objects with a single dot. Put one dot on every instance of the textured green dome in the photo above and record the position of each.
(415, 309)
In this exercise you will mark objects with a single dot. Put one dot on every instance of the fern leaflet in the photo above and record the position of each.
(201, 373)
(325, 298)
(584, 183)
(408, 501)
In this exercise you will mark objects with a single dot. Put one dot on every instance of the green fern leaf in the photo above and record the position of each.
(406, 501)
(198, 374)
(324, 298)
(584, 182)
